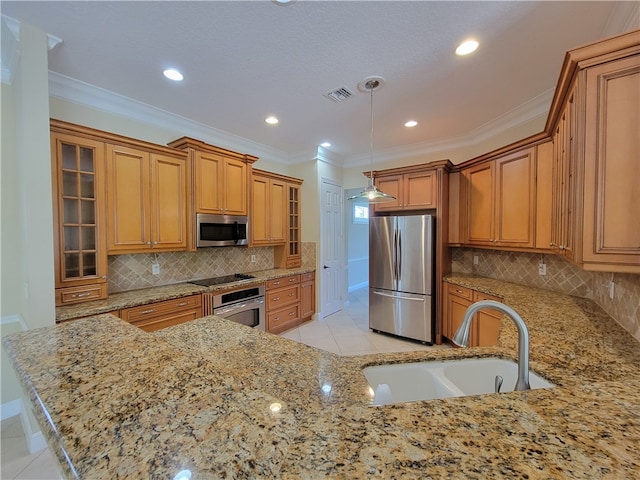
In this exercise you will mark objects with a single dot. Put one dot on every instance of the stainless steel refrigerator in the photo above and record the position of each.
(401, 266)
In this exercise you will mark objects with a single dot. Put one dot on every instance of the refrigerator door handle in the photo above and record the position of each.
(395, 255)
(399, 297)
(399, 254)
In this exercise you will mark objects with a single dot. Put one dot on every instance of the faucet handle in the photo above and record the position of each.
(498, 383)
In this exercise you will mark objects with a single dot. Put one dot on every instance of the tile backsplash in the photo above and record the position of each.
(522, 268)
(132, 272)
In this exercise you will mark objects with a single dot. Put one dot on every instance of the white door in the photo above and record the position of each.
(331, 248)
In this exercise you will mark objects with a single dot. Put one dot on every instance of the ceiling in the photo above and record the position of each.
(245, 60)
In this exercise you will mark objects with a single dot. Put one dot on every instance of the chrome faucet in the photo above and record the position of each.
(461, 337)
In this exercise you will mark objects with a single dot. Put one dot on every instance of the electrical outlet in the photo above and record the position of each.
(475, 260)
(612, 290)
(155, 268)
(542, 269)
(253, 259)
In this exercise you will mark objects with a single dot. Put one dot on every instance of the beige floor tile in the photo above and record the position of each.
(44, 467)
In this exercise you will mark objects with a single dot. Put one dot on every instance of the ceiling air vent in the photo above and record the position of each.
(339, 94)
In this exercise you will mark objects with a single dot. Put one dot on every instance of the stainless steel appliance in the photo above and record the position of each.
(245, 305)
(401, 266)
(221, 230)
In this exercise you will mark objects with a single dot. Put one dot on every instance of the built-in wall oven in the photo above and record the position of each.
(244, 306)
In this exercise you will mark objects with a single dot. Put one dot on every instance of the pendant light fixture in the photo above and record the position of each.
(371, 194)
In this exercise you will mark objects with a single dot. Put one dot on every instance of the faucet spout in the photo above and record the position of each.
(461, 337)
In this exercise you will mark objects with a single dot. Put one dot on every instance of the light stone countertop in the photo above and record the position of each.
(134, 298)
(116, 402)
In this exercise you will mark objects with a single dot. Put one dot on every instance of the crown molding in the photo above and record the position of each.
(10, 48)
(85, 94)
(530, 110)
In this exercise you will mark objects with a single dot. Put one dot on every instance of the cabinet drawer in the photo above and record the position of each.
(305, 277)
(167, 320)
(282, 282)
(462, 292)
(151, 310)
(283, 319)
(281, 297)
(66, 296)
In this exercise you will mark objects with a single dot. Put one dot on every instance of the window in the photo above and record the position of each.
(360, 213)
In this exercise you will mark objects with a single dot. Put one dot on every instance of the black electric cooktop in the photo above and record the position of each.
(208, 282)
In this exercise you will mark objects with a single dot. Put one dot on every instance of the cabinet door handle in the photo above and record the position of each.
(182, 304)
(291, 294)
(148, 243)
(275, 299)
(291, 314)
(144, 312)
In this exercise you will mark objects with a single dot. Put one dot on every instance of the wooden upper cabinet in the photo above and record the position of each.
(168, 202)
(611, 217)
(413, 191)
(290, 254)
(479, 211)
(220, 184)
(220, 178)
(269, 201)
(544, 196)
(146, 201)
(78, 213)
(515, 199)
(500, 201)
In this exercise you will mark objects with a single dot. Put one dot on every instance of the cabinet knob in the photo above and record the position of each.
(148, 243)
(155, 243)
(552, 244)
(275, 299)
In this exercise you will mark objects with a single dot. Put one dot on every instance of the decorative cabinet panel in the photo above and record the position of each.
(413, 191)
(78, 208)
(610, 219)
(146, 201)
(269, 202)
(220, 184)
(485, 326)
(500, 206)
(154, 316)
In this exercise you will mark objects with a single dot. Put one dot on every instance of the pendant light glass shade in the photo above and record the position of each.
(371, 193)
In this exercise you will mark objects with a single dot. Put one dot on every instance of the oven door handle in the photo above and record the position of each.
(238, 307)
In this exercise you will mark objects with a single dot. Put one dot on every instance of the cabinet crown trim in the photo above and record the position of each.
(184, 143)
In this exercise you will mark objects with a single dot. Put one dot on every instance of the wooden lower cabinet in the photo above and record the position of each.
(307, 295)
(485, 327)
(290, 301)
(155, 316)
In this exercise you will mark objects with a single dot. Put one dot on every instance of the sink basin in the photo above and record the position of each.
(407, 382)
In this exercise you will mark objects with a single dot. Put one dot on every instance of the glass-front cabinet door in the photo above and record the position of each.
(81, 262)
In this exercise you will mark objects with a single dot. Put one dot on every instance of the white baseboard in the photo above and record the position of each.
(358, 286)
(35, 440)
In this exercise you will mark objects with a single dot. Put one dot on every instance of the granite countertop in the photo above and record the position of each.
(116, 402)
(134, 298)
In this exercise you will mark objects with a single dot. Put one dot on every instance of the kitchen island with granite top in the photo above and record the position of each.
(220, 400)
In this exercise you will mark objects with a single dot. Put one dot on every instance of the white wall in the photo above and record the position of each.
(27, 288)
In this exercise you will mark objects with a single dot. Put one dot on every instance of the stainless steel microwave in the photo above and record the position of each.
(221, 230)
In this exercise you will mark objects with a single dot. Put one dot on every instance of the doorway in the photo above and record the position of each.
(331, 248)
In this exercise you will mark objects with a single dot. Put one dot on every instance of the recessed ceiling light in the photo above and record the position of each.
(466, 47)
(325, 144)
(173, 74)
(271, 120)
(411, 123)
(283, 3)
